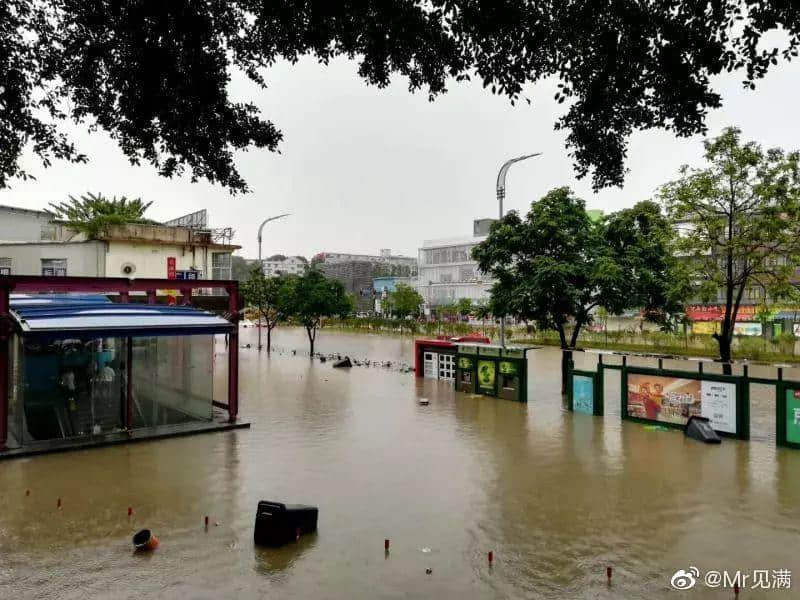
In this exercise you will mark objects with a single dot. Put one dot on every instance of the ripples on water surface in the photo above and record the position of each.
(557, 497)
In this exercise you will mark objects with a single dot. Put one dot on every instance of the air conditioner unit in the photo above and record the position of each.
(128, 269)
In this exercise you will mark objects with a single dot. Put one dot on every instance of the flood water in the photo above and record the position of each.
(557, 497)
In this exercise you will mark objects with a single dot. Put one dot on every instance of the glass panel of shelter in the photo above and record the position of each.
(77, 388)
(69, 388)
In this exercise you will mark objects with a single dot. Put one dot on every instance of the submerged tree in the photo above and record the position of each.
(271, 297)
(314, 297)
(154, 75)
(739, 223)
(556, 267)
(93, 214)
(404, 301)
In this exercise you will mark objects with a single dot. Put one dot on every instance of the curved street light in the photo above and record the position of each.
(261, 267)
(501, 194)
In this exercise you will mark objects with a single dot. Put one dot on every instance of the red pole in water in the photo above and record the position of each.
(608, 574)
(27, 492)
(491, 557)
(206, 522)
(386, 545)
(58, 504)
(130, 511)
(297, 534)
(736, 590)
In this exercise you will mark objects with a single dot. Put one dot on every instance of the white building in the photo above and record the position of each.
(447, 272)
(291, 265)
(31, 243)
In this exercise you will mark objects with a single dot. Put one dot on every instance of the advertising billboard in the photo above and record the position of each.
(674, 400)
(583, 394)
(753, 329)
(486, 374)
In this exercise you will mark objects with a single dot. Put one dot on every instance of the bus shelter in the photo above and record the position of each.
(80, 368)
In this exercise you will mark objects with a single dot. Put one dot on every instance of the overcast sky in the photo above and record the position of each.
(363, 168)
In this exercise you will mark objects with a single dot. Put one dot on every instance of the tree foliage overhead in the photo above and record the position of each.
(93, 214)
(740, 223)
(154, 74)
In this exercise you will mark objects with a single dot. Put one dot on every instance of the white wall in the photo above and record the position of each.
(84, 259)
(21, 225)
(151, 260)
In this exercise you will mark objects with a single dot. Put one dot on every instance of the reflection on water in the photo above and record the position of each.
(556, 496)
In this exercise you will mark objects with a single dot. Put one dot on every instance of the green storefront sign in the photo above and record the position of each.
(792, 416)
(508, 368)
(486, 374)
(465, 362)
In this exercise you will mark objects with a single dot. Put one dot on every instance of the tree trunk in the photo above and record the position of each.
(566, 357)
(725, 343)
(311, 341)
(269, 339)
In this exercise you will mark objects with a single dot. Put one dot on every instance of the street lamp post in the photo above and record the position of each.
(501, 194)
(261, 267)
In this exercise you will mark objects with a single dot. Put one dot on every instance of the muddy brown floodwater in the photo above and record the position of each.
(557, 497)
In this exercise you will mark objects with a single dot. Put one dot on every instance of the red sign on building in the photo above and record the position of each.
(171, 267)
(716, 312)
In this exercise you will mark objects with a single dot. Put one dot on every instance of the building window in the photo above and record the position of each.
(466, 274)
(54, 267)
(221, 265)
(5, 266)
(755, 293)
(445, 277)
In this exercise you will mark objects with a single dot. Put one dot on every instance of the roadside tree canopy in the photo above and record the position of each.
(154, 75)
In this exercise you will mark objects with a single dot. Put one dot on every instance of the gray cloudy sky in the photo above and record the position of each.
(363, 168)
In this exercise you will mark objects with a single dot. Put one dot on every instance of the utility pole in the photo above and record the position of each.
(501, 194)
(261, 268)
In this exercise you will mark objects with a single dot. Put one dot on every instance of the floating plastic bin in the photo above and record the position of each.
(278, 524)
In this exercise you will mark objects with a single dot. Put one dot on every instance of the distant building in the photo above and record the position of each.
(290, 265)
(33, 243)
(356, 276)
(401, 266)
(447, 272)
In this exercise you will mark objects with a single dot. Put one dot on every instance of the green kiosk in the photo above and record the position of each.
(493, 370)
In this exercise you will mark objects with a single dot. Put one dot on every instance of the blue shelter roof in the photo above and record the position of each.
(96, 316)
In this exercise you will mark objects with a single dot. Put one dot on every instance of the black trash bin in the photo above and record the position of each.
(278, 524)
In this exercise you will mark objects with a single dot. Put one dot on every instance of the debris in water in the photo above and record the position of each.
(144, 541)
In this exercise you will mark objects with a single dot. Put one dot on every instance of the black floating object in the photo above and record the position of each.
(344, 363)
(322, 358)
(699, 428)
(278, 524)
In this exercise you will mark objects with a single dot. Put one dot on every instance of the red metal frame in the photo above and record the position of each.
(123, 287)
(419, 348)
